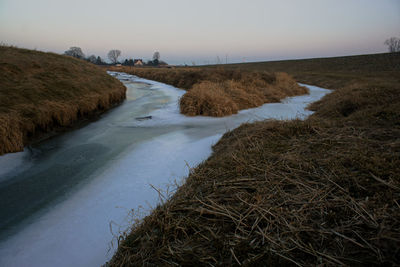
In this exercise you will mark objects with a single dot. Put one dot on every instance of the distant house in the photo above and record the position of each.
(138, 62)
(118, 65)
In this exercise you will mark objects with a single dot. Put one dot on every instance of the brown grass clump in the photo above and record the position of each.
(325, 191)
(40, 92)
(229, 96)
(361, 104)
(208, 99)
(221, 92)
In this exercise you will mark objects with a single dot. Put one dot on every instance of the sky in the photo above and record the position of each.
(200, 32)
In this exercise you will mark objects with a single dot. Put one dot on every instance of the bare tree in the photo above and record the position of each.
(75, 51)
(113, 55)
(393, 44)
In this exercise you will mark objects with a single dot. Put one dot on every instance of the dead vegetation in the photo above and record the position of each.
(42, 91)
(222, 92)
(333, 72)
(324, 191)
(279, 193)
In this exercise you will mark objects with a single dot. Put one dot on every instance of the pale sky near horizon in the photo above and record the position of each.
(186, 31)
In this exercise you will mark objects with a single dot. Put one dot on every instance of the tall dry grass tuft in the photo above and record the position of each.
(208, 99)
(40, 92)
(221, 92)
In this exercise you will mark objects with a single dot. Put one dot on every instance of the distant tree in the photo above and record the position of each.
(113, 55)
(75, 51)
(156, 58)
(393, 44)
(99, 61)
(128, 62)
(92, 59)
(156, 55)
(149, 63)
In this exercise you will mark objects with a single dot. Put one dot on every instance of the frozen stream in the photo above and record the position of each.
(61, 198)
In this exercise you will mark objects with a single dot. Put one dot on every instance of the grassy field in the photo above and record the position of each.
(332, 72)
(324, 191)
(40, 92)
(221, 92)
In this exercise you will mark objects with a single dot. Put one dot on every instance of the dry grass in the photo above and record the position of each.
(360, 103)
(279, 193)
(333, 72)
(325, 191)
(42, 91)
(222, 92)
